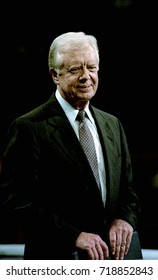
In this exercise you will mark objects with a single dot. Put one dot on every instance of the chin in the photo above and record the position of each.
(87, 94)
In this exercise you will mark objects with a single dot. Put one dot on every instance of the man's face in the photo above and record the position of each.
(77, 81)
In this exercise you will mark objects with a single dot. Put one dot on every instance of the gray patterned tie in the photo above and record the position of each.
(87, 143)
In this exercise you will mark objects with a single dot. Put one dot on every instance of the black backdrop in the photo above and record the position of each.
(127, 37)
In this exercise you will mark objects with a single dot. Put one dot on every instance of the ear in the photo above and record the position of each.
(54, 75)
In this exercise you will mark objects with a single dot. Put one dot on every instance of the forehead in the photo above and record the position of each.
(80, 54)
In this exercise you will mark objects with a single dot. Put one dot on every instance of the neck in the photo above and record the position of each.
(81, 105)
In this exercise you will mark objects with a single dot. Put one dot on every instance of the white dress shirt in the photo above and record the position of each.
(71, 114)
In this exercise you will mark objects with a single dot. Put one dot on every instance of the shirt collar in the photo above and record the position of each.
(70, 112)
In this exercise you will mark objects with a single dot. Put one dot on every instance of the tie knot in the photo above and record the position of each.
(81, 116)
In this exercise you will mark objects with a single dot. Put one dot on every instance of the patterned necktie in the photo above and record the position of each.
(87, 143)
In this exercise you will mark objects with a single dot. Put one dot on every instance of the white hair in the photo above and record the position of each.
(68, 41)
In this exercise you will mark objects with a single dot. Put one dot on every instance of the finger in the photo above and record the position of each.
(95, 252)
(105, 251)
(118, 246)
(122, 250)
(90, 254)
(101, 251)
(122, 245)
(112, 242)
(128, 242)
(100, 255)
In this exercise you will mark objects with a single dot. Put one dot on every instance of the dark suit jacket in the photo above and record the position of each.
(48, 185)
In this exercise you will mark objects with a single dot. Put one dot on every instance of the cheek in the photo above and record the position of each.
(67, 85)
(95, 80)
(70, 83)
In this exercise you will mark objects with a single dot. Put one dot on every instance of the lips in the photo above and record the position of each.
(84, 87)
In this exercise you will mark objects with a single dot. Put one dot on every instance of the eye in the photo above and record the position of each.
(74, 70)
(93, 68)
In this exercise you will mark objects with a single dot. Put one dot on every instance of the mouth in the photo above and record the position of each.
(84, 88)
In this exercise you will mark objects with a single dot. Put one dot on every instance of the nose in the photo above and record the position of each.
(84, 73)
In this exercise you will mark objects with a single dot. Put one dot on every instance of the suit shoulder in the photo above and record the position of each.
(41, 112)
(105, 115)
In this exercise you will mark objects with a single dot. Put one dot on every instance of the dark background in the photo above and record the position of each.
(127, 37)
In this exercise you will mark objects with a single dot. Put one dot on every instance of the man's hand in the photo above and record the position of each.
(95, 247)
(120, 235)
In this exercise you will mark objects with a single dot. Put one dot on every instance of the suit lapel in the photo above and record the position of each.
(106, 136)
(109, 150)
